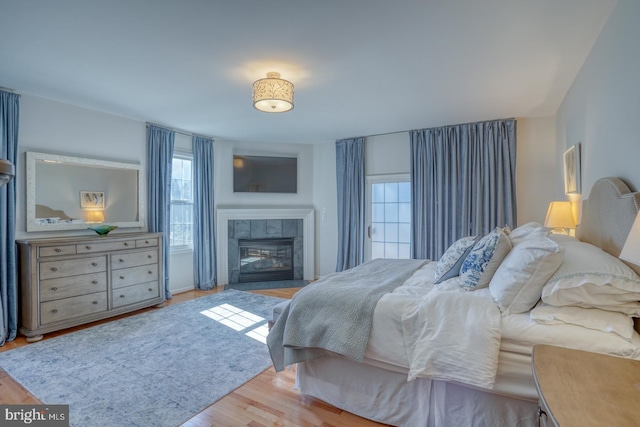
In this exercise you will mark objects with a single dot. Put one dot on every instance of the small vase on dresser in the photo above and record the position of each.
(70, 281)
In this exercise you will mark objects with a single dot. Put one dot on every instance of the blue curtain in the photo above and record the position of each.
(204, 243)
(160, 143)
(9, 123)
(463, 181)
(351, 187)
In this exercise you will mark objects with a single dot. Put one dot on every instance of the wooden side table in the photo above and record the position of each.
(579, 388)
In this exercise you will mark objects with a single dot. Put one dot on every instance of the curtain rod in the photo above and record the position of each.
(180, 131)
(6, 89)
(431, 127)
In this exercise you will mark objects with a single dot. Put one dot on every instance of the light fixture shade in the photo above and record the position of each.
(560, 215)
(631, 249)
(273, 94)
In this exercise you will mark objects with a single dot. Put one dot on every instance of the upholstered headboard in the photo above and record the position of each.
(607, 216)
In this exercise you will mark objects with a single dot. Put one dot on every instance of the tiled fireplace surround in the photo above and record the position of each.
(257, 223)
(264, 229)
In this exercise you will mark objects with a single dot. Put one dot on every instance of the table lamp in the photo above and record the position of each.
(560, 217)
(631, 249)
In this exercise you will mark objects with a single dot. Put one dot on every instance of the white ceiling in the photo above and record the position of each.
(360, 67)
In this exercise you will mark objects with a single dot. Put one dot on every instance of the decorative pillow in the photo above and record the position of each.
(451, 261)
(517, 284)
(484, 259)
(591, 278)
(590, 318)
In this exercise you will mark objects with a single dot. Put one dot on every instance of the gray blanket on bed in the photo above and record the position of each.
(335, 313)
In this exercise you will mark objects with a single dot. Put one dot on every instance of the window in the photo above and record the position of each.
(181, 231)
(389, 216)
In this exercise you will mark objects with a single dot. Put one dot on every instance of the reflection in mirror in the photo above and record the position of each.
(66, 193)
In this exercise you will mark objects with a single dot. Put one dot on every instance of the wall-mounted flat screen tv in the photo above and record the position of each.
(265, 174)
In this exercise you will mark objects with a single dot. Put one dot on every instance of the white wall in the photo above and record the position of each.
(388, 154)
(536, 168)
(326, 207)
(602, 108)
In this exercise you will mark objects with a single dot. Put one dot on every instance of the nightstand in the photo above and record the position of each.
(579, 388)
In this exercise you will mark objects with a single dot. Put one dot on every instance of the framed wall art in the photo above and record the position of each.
(92, 199)
(572, 181)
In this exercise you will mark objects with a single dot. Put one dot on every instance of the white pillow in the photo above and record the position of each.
(523, 232)
(451, 261)
(591, 278)
(484, 259)
(517, 284)
(590, 318)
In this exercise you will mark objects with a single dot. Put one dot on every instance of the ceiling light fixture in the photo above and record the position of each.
(273, 94)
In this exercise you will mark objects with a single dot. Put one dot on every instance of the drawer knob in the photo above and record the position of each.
(126, 243)
(121, 260)
(150, 272)
(58, 250)
(54, 289)
(94, 302)
(146, 242)
(95, 264)
(95, 282)
(150, 289)
(55, 310)
(149, 256)
(121, 277)
(88, 247)
(54, 269)
(121, 296)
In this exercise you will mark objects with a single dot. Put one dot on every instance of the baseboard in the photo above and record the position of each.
(180, 290)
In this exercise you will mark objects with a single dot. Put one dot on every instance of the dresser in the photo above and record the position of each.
(581, 389)
(69, 281)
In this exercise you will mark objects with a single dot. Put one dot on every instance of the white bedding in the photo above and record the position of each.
(387, 348)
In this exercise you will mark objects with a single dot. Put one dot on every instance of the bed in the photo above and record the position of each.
(451, 354)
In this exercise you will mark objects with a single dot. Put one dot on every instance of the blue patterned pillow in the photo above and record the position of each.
(484, 259)
(451, 261)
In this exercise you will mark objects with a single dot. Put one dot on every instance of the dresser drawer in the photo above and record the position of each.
(72, 267)
(132, 259)
(144, 243)
(136, 293)
(64, 287)
(58, 250)
(131, 276)
(86, 248)
(68, 308)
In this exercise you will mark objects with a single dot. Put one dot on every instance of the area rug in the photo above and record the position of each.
(277, 284)
(158, 368)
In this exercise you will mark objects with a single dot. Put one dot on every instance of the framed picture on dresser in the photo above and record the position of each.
(572, 184)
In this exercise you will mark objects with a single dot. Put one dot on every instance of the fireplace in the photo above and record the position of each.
(265, 259)
(258, 222)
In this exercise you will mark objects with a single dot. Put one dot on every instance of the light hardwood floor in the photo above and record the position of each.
(267, 400)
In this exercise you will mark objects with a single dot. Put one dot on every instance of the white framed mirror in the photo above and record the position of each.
(74, 193)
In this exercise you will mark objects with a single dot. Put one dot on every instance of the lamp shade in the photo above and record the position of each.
(95, 216)
(273, 94)
(7, 171)
(560, 215)
(631, 249)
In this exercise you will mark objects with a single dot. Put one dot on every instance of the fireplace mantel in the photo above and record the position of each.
(224, 214)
